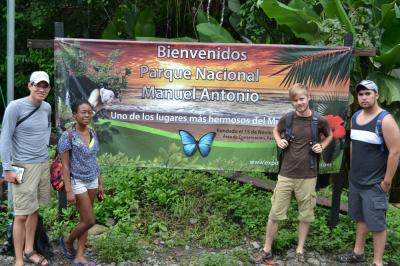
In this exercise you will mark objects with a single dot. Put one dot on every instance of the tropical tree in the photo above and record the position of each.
(372, 23)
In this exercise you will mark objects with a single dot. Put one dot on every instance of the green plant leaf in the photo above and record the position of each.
(234, 5)
(214, 33)
(389, 87)
(122, 24)
(388, 15)
(391, 58)
(390, 37)
(297, 16)
(334, 9)
(145, 26)
(203, 18)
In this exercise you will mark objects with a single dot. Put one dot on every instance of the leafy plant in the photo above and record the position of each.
(118, 244)
(216, 260)
(220, 233)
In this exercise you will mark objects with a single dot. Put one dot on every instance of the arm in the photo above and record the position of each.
(320, 147)
(282, 143)
(391, 135)
(7, 132)
(100, 189)
(67, 177)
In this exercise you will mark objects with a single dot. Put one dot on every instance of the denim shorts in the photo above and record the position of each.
(369, 206)
(81, 186)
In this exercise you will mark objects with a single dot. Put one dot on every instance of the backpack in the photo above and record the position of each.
(56, 169)
(378, 129)
(288, 135)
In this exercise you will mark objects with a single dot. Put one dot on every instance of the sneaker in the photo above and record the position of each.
(350, 257)
(300, 257)
(268, 258)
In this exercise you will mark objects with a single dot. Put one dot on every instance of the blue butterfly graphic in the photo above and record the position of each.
(190, 144)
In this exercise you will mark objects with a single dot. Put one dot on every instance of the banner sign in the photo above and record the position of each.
(199, 105)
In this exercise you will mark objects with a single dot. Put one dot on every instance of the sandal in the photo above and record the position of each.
(268, 258)
(64, 249)
(300, 257)
(28, 258)
(350, 257)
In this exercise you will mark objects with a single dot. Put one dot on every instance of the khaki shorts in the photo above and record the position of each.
(304, 191)
(35, 190)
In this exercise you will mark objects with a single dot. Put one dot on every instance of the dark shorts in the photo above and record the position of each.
(369, 206)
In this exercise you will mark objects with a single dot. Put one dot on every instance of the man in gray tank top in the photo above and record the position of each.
(24, 143)
(371, 173)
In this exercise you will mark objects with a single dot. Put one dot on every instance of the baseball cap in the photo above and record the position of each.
(367, 84)
(39, 76)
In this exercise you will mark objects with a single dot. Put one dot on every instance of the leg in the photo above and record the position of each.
(272, 229)
(361, 236)
(280, 204)
(84, 204)
(306, 200)
(379, 246)
(303, 232)
(30, 230)
(19, 237)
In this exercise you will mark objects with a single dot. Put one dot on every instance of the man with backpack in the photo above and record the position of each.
(297, 134)
(24, 153)
(375, 150)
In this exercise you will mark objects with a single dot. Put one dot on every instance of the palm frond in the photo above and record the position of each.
(314, 66)
(331, 103)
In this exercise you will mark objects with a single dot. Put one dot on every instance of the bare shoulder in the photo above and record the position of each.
(391, 132)
(389, 123)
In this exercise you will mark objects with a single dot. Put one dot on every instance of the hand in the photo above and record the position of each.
(282, 143)
(100, 193)
(100, 189)
(385, 186)
(71, 197)
(317, 148)
(10, 177)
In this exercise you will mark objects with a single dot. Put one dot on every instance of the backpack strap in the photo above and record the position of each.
(378, 128)
(314, 127)
(288, 135)
(70, 141)
(314, 158)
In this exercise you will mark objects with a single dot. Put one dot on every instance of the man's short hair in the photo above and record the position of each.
(297, 88)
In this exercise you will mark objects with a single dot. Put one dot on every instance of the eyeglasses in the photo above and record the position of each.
(45, 88)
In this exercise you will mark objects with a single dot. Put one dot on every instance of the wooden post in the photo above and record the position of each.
(62, 197)
(338, 178)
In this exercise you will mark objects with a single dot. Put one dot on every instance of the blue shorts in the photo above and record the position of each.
(369, 206)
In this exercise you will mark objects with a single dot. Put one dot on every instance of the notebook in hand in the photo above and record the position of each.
(19, 171)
